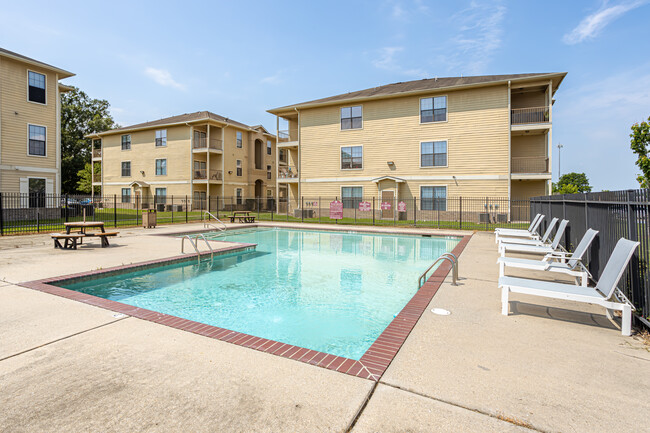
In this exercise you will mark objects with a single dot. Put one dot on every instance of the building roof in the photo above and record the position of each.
(422, 86)
(199, 116)
(62, 72)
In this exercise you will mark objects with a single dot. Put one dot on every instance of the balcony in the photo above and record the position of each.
(522, 116)
(202, 174)
(287, 138)
(288, 174)
(97, 177)
(534, 165)
(97, 153)
(204, 144)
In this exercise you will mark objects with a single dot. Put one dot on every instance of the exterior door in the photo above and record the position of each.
(388, 196)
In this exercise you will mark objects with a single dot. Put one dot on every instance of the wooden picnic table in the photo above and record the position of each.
(242, 216)
(83, 225)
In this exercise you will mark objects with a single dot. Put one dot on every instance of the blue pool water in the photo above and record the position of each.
(333, 292)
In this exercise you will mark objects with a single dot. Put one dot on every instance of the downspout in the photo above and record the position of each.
(191, 162)
(299, 168)
(223, 160)
(509, 151)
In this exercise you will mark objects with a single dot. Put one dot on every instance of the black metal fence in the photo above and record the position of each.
(615, 214)
(42, 213)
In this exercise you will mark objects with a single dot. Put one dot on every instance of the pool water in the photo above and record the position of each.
(333, 292)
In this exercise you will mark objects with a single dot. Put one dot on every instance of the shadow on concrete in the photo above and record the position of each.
(564, 315)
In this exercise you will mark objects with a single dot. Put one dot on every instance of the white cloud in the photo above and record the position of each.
(272, 79)
(398, 12)
(163, 77)
(386, 60)
(593, 24)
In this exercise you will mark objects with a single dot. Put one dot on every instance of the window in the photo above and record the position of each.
(433, 198)
(126, 195)
(433, 109)
(200, 170)
(239, 139)
(36, 145)
(239, 170)
(269, 146)
(126, 142)
(238, 193)
(36, 91)
(36, 192)
(282, 156)
(161, 195)
(126, 168)
(269, 193)
(351, 195)
(433, 154)
(199, 200)
(161, 138)
(351, 117)
(351, 157)
(268, 172)
(161, 167)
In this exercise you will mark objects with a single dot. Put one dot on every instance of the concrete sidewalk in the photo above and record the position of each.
(68, 366)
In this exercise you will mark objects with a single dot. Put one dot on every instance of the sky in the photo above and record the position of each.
(240, 58)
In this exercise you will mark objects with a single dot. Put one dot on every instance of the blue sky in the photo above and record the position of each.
(238, 59)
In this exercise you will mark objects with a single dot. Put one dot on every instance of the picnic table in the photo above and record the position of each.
(83, 225)
(80, 231)
(242, 216)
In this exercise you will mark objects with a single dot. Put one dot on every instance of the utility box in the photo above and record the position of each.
(149, 219)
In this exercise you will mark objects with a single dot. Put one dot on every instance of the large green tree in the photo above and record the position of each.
(85, 183)
(572, 183)
(640, 144)
(80, 116)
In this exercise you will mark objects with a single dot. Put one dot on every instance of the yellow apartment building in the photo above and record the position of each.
(196, 155)
(30, 130)
(428, 140)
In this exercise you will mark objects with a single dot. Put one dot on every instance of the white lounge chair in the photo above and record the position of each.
(605, 293)
(562, 262)
(530, 233)
(545, 240)
(536, 249)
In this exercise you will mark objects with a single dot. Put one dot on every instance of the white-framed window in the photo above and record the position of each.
(433, 109)
(126, 142)
(37, 191)
(433, 154)
(239, 168)
(352, 117)
(126, 168)
(268, 172)
(126, 195)
(351, 157)
(239, 195)
(433, 198)
(161, 167)
(36, 144)
(161, 138)
(36, 87)
(161, 195)
(269, 147)
(351, 196)
(239, 139)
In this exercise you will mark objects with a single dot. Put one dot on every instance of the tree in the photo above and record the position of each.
(80, 116)
(85, 182)
(640, 142)
(572, 183)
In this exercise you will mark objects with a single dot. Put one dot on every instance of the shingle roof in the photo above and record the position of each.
(63, 72)
(181, 118)
(420, 85)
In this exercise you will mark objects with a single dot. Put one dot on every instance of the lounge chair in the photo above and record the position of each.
(605, 293)
(536, 249)
(545, 240)
(530, 233)
(562, 262)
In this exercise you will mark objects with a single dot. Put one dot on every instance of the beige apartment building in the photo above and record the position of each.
(30, 129)
(197, 155)
(430, 139)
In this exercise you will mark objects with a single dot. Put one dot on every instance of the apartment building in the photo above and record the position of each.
(428, 139)
(197, 155)
(30, 129)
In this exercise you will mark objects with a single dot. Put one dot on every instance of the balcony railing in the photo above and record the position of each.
(285, 135)
(97, 153)
(288, 172)
(529, 164)
(97, 177)
(202, 174)
(529, 115)
(202, 143)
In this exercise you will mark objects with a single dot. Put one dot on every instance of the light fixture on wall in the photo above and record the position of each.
(142, 173)
(390, 163)
(229, 171)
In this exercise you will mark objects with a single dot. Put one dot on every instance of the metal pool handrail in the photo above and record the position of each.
(207, 223)
(208, 244)
(454, 266)
(196, 248)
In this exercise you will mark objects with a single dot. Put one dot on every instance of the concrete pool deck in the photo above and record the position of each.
(549, 366)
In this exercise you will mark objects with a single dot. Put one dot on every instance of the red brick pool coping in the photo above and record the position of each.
(372, 364)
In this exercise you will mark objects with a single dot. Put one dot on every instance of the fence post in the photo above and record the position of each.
(318, 210)
(114, 210)
(137, 210)
(186, 206)
(460, 211)
(487, 220)
(258, 208)
(66, 208)
(336, 221)
(373, 210)
(172, 209)
(415, 212)
(2, 217)
(302, 209)
(355, 214)
(394, 209)
(38, 221)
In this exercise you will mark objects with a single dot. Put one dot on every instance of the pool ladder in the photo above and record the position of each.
(454, 267)
(207, 224)
(194, 244)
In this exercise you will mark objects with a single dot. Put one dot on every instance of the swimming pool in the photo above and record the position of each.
(332, 292)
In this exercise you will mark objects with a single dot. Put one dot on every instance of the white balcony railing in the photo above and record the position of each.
(202, 174)
(529, 115)
(202, 143)
(287, 172)
(97, 153)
